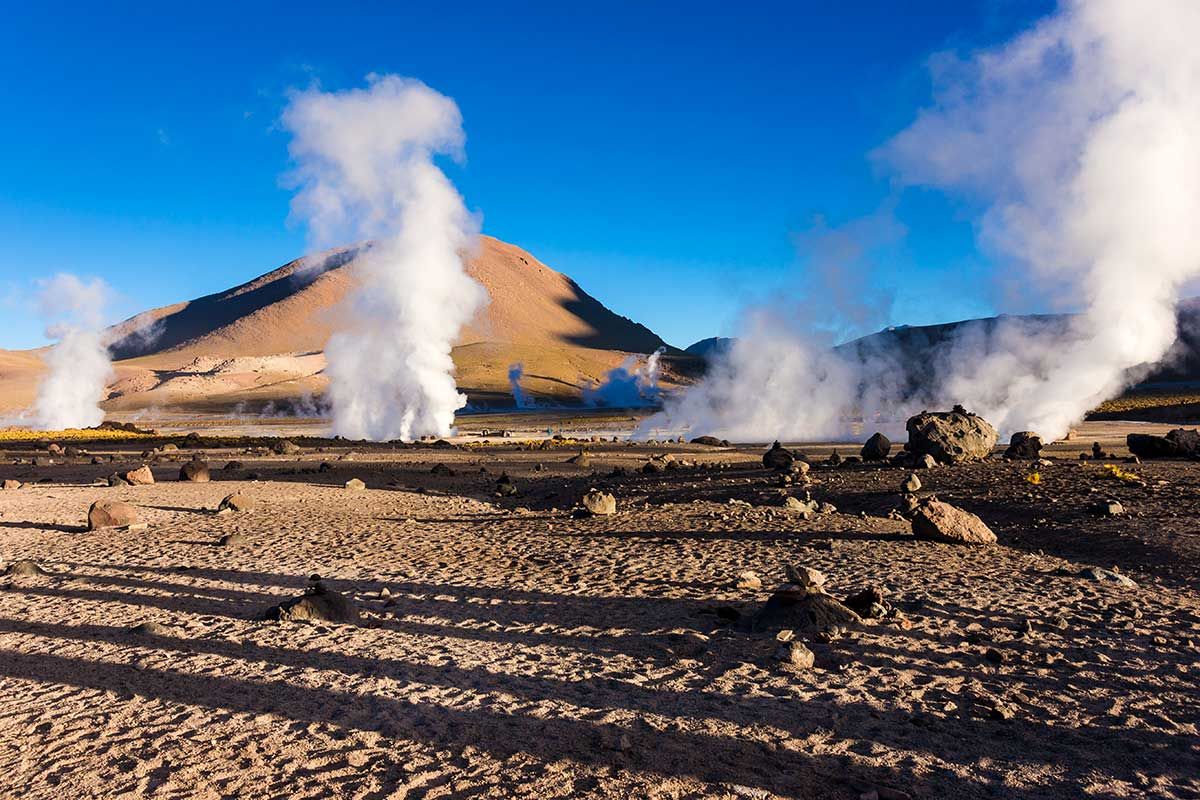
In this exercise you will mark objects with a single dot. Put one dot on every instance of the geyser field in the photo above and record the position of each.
(414, 515)
(494, 640)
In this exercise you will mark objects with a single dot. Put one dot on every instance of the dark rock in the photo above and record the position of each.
(233, 540)
(707, 441)
(778, 458)
(505, 487)
(1024, 445)
(1179, 443)
(865, 601)
(285, 447)
(876, 448)
(234, 466)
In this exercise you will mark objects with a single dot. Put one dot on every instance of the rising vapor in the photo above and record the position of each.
(365, 171)
(1079, 144)
(79, 366)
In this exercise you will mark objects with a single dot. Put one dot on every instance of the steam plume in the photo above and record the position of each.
(79, 365)
(365, 170)
(521, 397)
(630, 385)
(1076, 142)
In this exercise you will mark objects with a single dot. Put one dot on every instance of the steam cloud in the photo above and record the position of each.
(79, 364)
(521, 398)
(1077, 143)
(630, 385)
(365, 170)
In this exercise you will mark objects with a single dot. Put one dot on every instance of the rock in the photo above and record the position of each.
(867, 602)
(654, 465)
(142, 476)
(600, 504)
(709, 441)
(797, 609)
(1024, 445)
(749, 581)
(285, 447)
(168, 447)
(117, 479)
(778, 458)
(233, 466)
(912, 484)
(805, 508)
(441, 469)
(150, 629)
(233, 540)
(1179, 443)
(951, 437)
(580, 459)
(834, 460)
(237, 502)
(25, 569)
(318, 604)
(1108, 576)
(355, 485)
(325, 467)
(195, 471)
(1108, 508)
(505, 487)
(876, 448)
(942, 522)
(795, 654)
(10, 483)
(110, 514)
(805, 577)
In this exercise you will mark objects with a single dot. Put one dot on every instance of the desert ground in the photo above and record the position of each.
(511, 647)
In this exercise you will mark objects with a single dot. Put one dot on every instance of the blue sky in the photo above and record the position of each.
(665, 155)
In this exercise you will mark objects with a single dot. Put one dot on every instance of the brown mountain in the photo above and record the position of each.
(263, 340)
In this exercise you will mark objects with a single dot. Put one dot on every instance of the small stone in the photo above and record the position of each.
(110, 514)
(600, 504)
(149, 629)
(749, 581)
(12, 484)
(794, 654)
(233, 540)
(806, 577)
(142, 476)
(912, 484)
(237, 502)
(355, 485)
(25, 568)
(1108, 576)
(195, 471)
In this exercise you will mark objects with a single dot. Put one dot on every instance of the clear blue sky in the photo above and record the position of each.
(662, 154)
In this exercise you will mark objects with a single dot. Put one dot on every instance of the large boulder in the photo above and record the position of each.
(778, 458)
(1179, 443)
(942, 522)
(110, 514)
(799, 609)
(318, 604)
(876, 448)
(951, 437)
(142, 476)
(1025, 445)
(195, 471)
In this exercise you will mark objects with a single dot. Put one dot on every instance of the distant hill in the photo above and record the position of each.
(706, 348)
(263, 340)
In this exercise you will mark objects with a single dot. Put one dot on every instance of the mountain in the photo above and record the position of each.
(262, 341)
(706, 348)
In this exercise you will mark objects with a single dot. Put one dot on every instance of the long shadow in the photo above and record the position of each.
(639, 746)
(47, 526)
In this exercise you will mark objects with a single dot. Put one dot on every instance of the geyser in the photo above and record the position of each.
(79, 364)
(365, 170)
(1076, 143)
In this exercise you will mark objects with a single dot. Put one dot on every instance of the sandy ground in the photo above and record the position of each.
(527, 653)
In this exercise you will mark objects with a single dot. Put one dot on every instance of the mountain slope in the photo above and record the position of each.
(263, 340)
